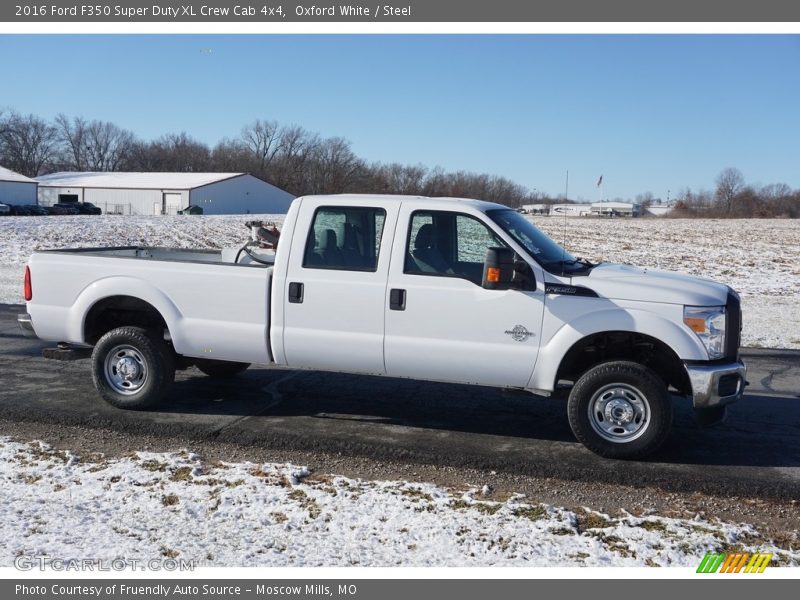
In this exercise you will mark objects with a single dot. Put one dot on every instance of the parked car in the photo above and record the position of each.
(87, 208)
(36, 210)
(4, 209)
(433, 289)
(62, 209)
(191, 210)
(18, 210)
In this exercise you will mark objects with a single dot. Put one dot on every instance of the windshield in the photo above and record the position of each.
(546, 252)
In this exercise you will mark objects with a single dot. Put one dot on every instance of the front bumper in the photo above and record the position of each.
(716, 384)
(26, 324)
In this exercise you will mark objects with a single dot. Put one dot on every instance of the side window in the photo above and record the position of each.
(346, 238)
(448, 244)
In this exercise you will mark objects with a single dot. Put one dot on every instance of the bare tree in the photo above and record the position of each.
(263, 140)
(729, 183)
(95, 145)
(171, 152)
(27, 143)
(333, 167)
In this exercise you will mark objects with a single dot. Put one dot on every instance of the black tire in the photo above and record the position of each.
(132, 368)
(636, 401)
(220, 369)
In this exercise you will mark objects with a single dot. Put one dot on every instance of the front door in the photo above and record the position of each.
(449, 328)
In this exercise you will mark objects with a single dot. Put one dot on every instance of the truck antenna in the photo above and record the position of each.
(564, 244)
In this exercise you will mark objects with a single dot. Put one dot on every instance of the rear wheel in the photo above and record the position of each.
(132, 367)
(620, 409)
(221, 369)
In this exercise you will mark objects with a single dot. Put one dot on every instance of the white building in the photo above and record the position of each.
(659, 210)
(535, 209)
(616, 209)
(165, 193)
(16, 188)
(570, 210)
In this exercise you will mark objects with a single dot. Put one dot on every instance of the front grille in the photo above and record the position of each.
(733, 329)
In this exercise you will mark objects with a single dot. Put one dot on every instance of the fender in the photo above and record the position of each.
(685, 344)
(122, 286)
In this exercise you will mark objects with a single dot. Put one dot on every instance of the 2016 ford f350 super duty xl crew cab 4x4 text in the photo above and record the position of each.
(435, 289)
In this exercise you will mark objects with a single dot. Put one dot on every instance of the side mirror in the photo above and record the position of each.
(503, 271)
(498, 268)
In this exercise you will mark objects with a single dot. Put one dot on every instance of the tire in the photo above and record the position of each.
(632, 393)
(132, 368)
(220, 369)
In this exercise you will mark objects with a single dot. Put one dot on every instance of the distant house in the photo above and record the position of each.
(535, 209)
(165, 193)
(658, 210)
(570, 210)
(616, 209)
(16, 188)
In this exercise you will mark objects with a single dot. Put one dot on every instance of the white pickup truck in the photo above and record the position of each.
(439, 289)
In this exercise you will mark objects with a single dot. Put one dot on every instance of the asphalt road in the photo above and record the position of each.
(755, 453)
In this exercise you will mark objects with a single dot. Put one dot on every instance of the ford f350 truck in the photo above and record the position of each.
(440, 289)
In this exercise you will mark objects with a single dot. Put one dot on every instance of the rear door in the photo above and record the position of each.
(336, 284)
(448, 327)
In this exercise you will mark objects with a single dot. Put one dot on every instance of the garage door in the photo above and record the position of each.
(172, 204)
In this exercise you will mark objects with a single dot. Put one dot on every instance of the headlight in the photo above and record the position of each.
(708, 323)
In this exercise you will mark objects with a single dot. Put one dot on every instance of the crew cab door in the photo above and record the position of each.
(335, 288)
(448, 327)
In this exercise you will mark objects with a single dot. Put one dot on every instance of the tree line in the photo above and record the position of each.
(303, 162)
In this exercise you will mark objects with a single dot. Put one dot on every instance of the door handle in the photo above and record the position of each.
(296, 292)
(397, 299)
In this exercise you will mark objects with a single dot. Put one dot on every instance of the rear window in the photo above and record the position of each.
(346, 238)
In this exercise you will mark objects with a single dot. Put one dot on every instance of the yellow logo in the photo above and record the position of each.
(718, 562)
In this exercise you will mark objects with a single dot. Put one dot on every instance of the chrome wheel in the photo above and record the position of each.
(125, 369)
(619, 412)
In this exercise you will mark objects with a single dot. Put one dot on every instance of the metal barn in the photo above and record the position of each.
(165, 193)
(16, 188)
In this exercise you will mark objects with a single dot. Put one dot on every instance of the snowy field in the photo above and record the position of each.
(759, 258)
(244, 514)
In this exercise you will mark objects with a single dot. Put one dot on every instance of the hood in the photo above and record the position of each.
(625, 282)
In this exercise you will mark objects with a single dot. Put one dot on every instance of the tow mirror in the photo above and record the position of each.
(502, 270)
(498, 268)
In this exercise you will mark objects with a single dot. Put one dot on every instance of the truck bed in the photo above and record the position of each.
(193, 255)
(215, 308)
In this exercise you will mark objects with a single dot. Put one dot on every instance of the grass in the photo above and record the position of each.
(306, 502)
(181, 474)
(154, 466)
(591, 520)
(170, 500)
(533, 513)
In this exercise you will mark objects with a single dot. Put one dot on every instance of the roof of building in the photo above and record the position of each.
(9, 175)
(133, 180)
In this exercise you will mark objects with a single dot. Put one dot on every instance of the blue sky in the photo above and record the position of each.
(649, 113)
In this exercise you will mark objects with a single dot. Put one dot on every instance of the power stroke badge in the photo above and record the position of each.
(519, 333)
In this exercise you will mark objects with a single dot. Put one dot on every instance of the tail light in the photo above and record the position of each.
(27, 289)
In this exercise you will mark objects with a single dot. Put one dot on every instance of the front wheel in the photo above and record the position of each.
(620, 409)
(132, 367)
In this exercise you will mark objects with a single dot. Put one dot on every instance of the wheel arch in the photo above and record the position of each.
(617, 334)
(109, 302)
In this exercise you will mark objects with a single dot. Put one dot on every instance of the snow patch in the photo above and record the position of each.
(151, 505)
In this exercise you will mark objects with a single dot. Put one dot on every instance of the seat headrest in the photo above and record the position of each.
(329, 240)
(426, 237)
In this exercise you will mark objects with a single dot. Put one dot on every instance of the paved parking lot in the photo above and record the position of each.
(757, 451)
